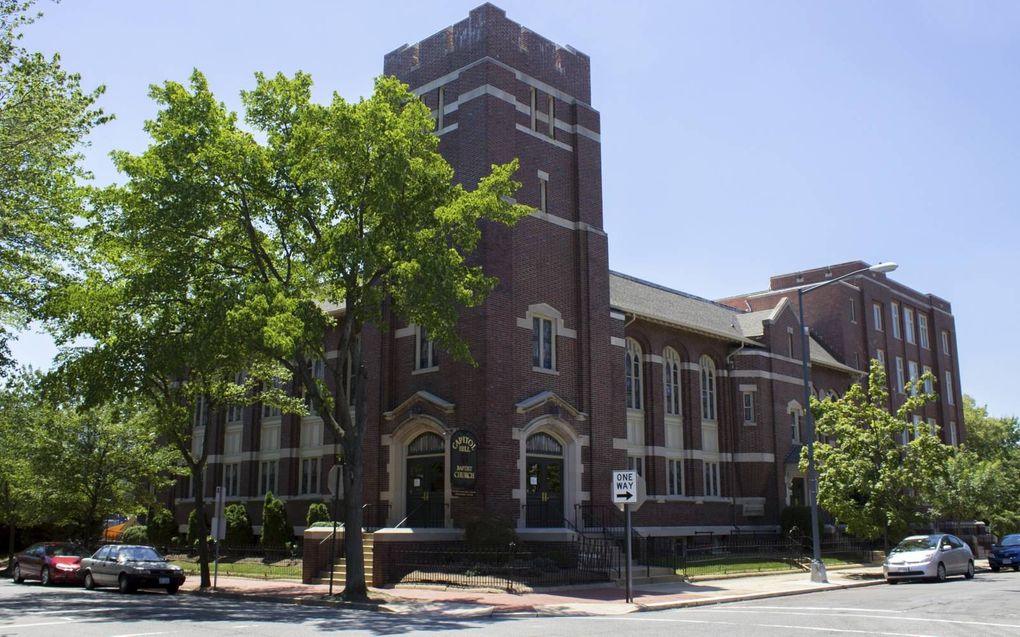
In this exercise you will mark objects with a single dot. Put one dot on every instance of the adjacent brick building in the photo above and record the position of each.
(580, 370)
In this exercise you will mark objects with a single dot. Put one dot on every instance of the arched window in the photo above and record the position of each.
(671, 378)
(426, 444)
(633, 374)
(542, 444)
(707, 388)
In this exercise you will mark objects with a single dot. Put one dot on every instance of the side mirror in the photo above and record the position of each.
(946, 547)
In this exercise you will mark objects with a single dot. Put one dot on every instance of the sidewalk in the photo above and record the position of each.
(593, 600)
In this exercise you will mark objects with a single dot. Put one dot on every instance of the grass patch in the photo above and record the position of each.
(734, 566)
(254, 569)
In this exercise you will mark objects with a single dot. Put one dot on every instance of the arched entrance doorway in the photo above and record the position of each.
(544, 481)
(425, 480)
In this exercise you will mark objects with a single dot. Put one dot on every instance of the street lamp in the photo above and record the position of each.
(817, 566)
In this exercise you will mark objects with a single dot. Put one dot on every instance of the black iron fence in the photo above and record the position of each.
(514, 569)
(243, 561)
(706, 557)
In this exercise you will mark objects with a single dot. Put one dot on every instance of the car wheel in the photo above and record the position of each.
(995, 569)
(44, 577)
(18, 578)
(171, 590)
(970, 570)
(940, 573)
(124, 585)
(891, 582)
(90, 583)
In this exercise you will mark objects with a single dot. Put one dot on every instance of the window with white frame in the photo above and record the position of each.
(948, 389)
(671, 380)
(309, 476)
(317, 370)
(900, 379)
(945, 342)
(674, 477)
(908, 324)
(952, 433)
(232, 440)
(933, 426)
(267, 476)
(200, 413)
(748, 402)
(708, 403)
(795, 425)
(876, 315)
(311, 435)
(894, 311)
(636, 464)
(928, 385)
(712, 479)
(269, 437)
(915, 420)
(543, 343)
(633, 374)
(912, 369)
(922, 330)
(426, 356)
(232, 479)
(853, 310)
(880, 356)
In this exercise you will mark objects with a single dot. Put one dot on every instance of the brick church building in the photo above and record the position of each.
(581, 370)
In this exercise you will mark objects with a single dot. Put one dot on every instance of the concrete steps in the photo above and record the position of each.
(340, 568)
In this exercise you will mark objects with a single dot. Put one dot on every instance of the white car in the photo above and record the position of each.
(929, 557)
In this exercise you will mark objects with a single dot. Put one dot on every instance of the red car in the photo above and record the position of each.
(50, 563)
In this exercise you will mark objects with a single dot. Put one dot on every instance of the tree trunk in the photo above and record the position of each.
(355, 587)
(203, 531)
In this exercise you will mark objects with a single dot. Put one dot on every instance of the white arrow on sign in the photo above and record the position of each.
(624, 486)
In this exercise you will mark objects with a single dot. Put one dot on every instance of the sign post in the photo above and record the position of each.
(625, 491)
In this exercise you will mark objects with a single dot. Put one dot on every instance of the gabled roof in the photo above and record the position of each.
(663, 305)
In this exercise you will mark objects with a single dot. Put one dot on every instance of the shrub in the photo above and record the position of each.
(238, 526)
(276, 530)
(162, 527)
(489, 531)
(317, 512)
(137, 534)
(193, 526)
(800, 517)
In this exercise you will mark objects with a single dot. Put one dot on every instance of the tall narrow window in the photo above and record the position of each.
(789, 342)
(945, 342)
(853, 310)
(427, 357)
(674, 481)
(912, 369)
(908, 324)
(534, 109)
(633, 374)
(894, 318)
(876, 315)
(636, 464)
(552, 117)
(952, 433)
(948, 389)
(928, 388)
(543, 343)
(232, 479)
(922, 330)
(200, 416)
(543, 195)
(880, 356)
(900, 380)
(707, 388)
(712, 479)
(442, 107)
(795, 426)
(932, 426)
(857, 360)
(915, 421)
(309, 476)
(748, 398)
(671, 379)
(267, 476)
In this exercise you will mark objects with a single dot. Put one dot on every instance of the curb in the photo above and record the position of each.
(283, 599)
(685, 603)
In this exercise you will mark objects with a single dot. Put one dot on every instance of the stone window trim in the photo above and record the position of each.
(634, 375)
(796, 413)
(709, 389)
(876, 316)
(544, 310)
(747, 407)
(431, 363)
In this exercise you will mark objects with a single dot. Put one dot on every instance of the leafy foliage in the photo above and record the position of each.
(44, 118)
(868, 478)
(317, 512)
(194, 534)
(162, 527)
(276, 531)
(137, 534)
(487, 530)
(239, 531)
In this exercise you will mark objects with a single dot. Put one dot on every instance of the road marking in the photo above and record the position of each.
(832, 608)
(820, 629)
(898, 617)
(137, 634)
(69, 621)
(73, 610)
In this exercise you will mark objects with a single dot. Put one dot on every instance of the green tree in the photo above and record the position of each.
(317, 512)
(868, 477)
(238, 525)
(342, 210)
(21, 422)
(44, 119)
(197, 526)
(162, 527)
(276, 531)
(137, 534)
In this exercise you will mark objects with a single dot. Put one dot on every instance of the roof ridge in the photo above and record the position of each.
(686, 295)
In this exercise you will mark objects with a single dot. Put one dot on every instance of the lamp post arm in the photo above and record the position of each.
(805, 290)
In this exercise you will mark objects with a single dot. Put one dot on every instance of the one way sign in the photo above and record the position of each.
(625, 486)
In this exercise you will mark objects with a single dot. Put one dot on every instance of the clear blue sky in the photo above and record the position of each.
(739, 139)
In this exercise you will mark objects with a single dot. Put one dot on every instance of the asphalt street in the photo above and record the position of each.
(984, 606)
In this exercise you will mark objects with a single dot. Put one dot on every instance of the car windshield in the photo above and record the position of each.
(918, 543)
(66, 550)
(1011, 540)
(139, 554)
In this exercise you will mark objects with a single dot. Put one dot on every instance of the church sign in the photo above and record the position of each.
(463, 462)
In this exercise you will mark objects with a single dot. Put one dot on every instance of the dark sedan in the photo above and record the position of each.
(130, 567)
(1006, 553)
(50, 563)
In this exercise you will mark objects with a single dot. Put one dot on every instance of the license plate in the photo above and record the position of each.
(164, 580)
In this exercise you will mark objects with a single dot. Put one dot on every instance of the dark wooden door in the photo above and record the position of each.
(545, 492)
(425, 491)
